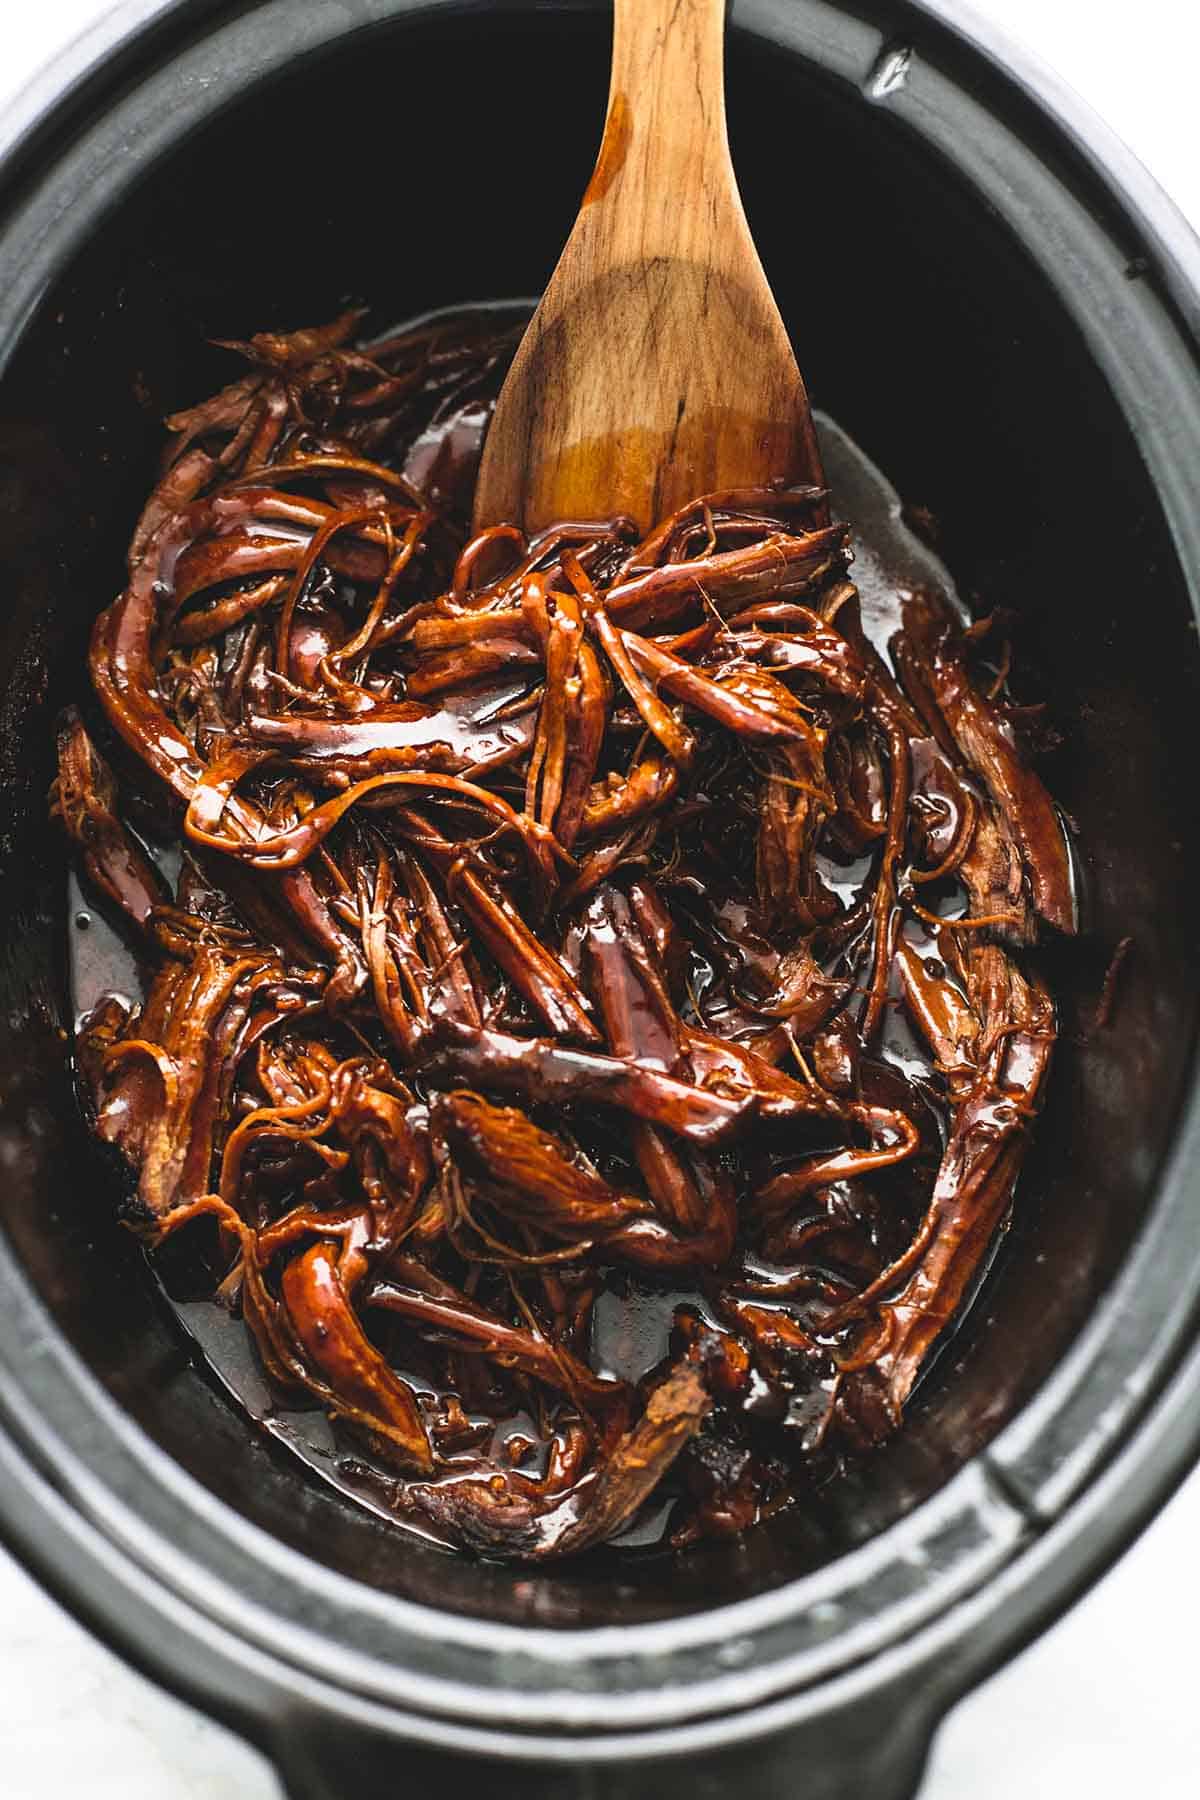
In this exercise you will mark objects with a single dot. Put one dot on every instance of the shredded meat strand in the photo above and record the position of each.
(550, 916)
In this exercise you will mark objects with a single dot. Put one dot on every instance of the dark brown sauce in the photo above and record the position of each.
(636, 1319)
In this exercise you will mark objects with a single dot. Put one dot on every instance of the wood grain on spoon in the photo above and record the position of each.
(657, 366)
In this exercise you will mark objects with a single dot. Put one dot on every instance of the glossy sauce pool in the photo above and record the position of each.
(632, 1318)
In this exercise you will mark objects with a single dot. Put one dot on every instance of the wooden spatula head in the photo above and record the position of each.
(657, 366)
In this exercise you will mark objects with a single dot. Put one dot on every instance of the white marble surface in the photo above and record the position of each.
(1104, 1704)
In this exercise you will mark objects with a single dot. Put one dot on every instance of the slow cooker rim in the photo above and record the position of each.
(128, 27)
(914, 1681)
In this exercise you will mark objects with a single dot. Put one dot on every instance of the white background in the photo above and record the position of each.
(1105, 1705)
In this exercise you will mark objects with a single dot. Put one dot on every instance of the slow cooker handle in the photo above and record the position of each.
(875, 1748)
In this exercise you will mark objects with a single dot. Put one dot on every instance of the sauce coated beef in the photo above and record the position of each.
(566, 931)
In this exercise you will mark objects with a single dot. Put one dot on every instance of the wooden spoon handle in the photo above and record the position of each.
(665, 145)
(657, 366)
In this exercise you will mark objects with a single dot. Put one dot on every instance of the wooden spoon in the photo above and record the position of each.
(656, 367)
